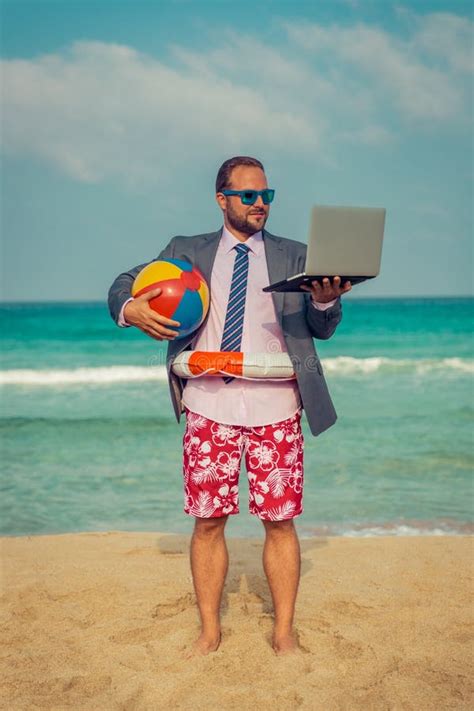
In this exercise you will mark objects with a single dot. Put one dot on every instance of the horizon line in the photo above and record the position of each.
(352, 297)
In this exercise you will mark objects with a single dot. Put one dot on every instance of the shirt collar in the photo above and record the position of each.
(254, 242)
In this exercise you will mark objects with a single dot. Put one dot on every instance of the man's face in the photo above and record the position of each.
(246, 219)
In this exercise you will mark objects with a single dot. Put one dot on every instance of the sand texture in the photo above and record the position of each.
(99, 621)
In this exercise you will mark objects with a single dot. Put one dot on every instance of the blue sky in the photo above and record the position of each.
(116, 116)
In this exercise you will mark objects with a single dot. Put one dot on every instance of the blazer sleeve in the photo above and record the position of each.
(322, 324)
(120, 291)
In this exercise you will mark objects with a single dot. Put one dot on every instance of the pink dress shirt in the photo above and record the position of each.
(242, 402)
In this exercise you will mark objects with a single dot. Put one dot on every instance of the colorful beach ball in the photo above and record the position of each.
(184, 293)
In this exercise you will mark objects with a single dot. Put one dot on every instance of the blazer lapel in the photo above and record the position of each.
(275, 254)
(205, 254)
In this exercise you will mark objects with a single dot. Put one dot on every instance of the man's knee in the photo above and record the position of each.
(209, 526)
(278, 528)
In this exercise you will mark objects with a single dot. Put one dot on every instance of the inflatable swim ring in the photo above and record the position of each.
(250, 366)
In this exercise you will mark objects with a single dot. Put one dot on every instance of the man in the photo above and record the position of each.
(225, 417)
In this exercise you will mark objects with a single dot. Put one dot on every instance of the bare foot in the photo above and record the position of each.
(285, 643)
(203, 645)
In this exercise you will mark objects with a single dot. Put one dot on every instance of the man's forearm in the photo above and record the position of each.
(121, 290)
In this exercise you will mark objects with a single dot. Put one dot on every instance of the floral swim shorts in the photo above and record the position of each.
(212, 453)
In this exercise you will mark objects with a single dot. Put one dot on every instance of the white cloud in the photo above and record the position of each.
(369, 135)
(398, 70)
(449, 37)
(102, 111)
(105, 110)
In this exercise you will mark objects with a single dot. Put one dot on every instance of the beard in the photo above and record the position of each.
(241, 222)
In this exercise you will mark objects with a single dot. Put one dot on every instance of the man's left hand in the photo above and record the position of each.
(328, 291)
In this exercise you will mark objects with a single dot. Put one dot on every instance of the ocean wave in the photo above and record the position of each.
(82, 376)
(390, 528)
(347, 365)
(338, 366)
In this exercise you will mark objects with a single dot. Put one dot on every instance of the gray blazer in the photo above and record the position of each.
(299, 319)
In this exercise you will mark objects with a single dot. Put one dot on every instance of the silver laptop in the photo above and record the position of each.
(343, 241)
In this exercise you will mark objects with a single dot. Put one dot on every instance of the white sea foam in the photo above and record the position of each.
(347, 365)
(81, 376)
(409, 528)
(338, 366)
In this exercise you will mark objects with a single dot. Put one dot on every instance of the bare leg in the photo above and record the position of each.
(209, 565)
(282, 565)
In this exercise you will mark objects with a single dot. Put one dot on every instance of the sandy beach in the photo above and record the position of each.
(98, 621)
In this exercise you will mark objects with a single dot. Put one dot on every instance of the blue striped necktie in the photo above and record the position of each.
(234, 318)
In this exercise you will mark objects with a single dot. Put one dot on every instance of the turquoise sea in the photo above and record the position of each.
(90, 443)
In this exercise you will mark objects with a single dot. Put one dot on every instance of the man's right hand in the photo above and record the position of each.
(138, 313)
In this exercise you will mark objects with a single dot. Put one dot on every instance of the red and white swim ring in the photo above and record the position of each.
(250, 366)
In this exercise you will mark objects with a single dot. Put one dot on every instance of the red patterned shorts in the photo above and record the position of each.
(211, 467)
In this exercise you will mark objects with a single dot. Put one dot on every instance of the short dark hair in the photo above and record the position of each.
(223, 175)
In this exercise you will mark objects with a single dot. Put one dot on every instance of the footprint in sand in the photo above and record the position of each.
(136, 636)
(162, 611)
(349, 607)
(88, 685)
(26, 614)
(141, 551)
(169, 609)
